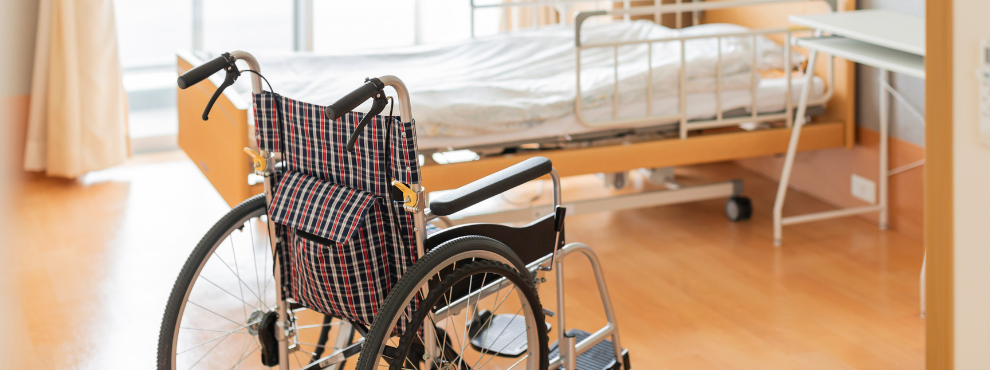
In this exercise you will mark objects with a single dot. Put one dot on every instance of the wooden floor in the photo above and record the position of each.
(98, 256)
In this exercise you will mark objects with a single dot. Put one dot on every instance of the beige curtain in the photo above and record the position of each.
(78, 114)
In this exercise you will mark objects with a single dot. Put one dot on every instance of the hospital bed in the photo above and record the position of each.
(698, 107)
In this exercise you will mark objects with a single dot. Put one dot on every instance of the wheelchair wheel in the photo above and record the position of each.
(482, 311)
(222, 311)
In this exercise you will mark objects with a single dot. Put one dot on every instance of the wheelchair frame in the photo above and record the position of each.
(569, 347)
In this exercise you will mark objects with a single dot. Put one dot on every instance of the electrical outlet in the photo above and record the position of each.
(864, 189)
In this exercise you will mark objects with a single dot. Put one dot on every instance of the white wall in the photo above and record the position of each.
(971, 192)
(18, 24)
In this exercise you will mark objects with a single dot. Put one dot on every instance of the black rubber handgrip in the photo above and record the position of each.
(353, 99)
(201, 72)
(490, 186)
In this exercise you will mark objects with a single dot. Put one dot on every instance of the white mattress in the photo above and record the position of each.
(770, 98)
(523, 83)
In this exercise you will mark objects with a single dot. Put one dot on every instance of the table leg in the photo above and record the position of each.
(785, 176)
(924, 261)
(884, 149)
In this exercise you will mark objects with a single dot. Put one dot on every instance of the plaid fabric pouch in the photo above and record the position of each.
(320, 208)
(344, 245)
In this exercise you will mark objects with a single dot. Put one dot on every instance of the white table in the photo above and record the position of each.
(887, 40)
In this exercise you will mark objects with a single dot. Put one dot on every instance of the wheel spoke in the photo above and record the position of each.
(241, 298)
(207, 352)
(224, 335)
(237, 276)
(460, 355)
(499, 335)
(244, 347)
(443, 346)
(211, 311)
(245, 357)
(239, 287)
(466, 333)
(499, 350)
(213, 330)
(517, 362)
(488, 322)
(296, 357)
(254, 256)
(412, 365)
(317, 345)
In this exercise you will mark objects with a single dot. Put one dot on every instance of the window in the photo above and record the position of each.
(446, 20)
(251, 25)
(150, 32)
(357, 25)
(366, 24)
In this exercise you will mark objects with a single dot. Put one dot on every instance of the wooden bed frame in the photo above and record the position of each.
(217, 146)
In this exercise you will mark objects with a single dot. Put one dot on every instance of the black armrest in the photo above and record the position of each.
(490, 186)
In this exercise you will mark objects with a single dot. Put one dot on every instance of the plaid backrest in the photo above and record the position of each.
(340, 196)
(315, 145)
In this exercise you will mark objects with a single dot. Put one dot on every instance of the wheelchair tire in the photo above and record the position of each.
(444, 271)
(229, 299)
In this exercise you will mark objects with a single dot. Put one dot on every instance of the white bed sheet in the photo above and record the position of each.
(771, 93)
(500, 84)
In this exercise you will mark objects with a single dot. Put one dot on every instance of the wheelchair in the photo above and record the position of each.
(339, 257)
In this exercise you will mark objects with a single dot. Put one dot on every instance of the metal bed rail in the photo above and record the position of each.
(563, 9)
(685, 124)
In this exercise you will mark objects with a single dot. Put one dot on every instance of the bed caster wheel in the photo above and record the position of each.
(615, 180)
(738, 209)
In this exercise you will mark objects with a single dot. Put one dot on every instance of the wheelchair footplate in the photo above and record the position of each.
(599, 357)
(506, 339)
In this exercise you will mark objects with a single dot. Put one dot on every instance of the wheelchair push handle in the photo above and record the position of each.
(374, 89)
(196, 75)
(352, 100)
(201, 72)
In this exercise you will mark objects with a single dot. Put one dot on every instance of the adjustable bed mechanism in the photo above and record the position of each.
(737, 208)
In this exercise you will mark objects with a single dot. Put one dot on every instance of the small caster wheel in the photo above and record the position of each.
(619, 181)
(615, 180)
(738, 209)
